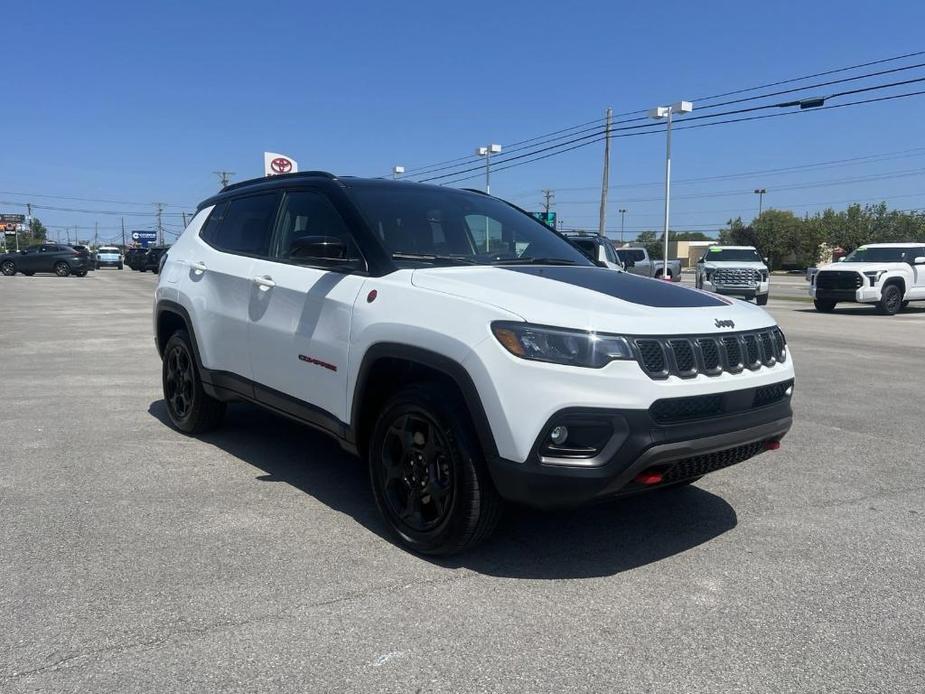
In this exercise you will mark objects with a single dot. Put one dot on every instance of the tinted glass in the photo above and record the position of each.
(306, 213)
(588, 247)
(209, 230)
(881, 255)
(467, 227)
(726, 254)
(247, 225)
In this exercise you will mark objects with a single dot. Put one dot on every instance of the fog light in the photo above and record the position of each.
(558, 435)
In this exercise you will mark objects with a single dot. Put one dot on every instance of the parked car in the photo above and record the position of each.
(734, 271)
(59, 259)
(109, 256)
(889, 275)
(638, 262)
(367, 309)
(153, 259)
(87, 252)
(134, 257)
(597, 248)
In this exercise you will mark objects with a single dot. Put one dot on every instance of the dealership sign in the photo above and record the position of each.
(275, 164)
(11, 223)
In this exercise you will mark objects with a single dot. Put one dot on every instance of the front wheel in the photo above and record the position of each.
(190, 408)
(824, 305)
(62, 269)
(8, 268)
(891, 300)
(428, 473)
(761, 299)
(120, 266)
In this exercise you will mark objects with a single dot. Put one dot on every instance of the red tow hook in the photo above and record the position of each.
(650, 477)
(771, 445)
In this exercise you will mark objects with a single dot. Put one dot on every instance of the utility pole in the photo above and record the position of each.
(223, 176)
(123, 234)
(760, 193)
(605, 179)
(96, 234)
(29, 222)
(622, 212)
(548, 197)
(160, 225)
(184, 219)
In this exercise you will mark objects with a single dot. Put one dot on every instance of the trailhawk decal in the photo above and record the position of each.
(317, 362)
(627, 287)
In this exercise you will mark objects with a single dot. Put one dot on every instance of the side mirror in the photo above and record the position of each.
(842, 259)
(628, 263)
(317, 248)
(701, 260)
(765, 259)
(920, 260)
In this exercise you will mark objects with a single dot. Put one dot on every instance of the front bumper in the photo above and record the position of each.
(678, 451)
(862, 295)
(748, 291)
(108, 263)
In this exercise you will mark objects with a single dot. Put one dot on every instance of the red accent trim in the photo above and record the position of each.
(371, 297)
(771, 445)
(649, 477)
(317, 362)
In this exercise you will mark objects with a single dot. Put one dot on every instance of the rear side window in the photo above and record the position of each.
(246, 225)
(209, 230)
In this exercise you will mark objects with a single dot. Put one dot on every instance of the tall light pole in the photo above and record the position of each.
(622, 212)
(397, 171)
(666, 112)
(760, 193)
(487, 152)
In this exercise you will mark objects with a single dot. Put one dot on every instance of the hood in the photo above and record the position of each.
(861, 267)
(754, 264)
(594, 298)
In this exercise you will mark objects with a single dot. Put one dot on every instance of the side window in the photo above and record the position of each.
(636, 256)
(247, 225)
(609, 253)
(308, 213)
(209, 230)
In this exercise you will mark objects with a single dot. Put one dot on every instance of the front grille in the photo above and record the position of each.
(838, 279)
(661, 357)
(736, 276)
(710, 462)
(675, 410)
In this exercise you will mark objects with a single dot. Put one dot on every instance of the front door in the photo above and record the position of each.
(300, 312)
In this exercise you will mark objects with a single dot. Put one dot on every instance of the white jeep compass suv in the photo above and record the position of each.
(468, 352)
(889, 275)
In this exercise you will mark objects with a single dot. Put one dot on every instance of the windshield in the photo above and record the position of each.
(108, 251)
(419, 224)
(880, 255)
(749, 255)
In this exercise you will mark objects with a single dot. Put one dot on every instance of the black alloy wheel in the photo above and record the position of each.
(8, 268)
(891, 300)
(190, 408)
(179, 385)
(418, 480)
(824, 305)
(62, 269)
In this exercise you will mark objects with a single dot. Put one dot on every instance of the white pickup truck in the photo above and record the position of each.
(889, 275)
(638, 262)
(735, 271)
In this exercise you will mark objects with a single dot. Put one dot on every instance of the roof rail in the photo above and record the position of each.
(263, 179)
(475, 190)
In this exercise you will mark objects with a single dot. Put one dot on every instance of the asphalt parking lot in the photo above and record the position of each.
(135, 559)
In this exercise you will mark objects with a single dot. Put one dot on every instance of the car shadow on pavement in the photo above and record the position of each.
(599, 540)
(865, 309)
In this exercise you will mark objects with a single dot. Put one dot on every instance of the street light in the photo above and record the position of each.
(397, 170)
(487, 152)
(622, 212)
(666, 112)
(760, 193)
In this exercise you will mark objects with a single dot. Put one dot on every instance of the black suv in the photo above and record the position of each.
(152, 259)
(134, 257)
(59, 259)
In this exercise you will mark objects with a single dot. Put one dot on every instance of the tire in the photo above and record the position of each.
(904, 304)
(762, 299)
(891, 300)
(824, 305)
(28, 274)
(82, 273)
(8, 268)
(190, 408)
(120, 266)
(62, 269)
(420, 438)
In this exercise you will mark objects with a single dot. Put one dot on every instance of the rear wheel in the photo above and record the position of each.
(824, 305)
(761, 299)
(81, 273)
(891, 300)
(428, 474)
(190, 408)
(8, 268)
(62, 269)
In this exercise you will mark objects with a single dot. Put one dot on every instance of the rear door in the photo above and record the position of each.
(218, 281)
(300, 311)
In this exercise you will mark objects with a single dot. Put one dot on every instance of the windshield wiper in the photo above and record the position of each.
(534, 261)
(434, 258)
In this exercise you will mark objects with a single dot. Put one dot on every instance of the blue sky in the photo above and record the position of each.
(136, 103)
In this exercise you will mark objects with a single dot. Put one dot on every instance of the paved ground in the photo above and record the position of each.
(134, 559)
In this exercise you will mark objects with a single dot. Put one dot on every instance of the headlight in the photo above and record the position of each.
(874, 276)
(560, 345)
(764, 275)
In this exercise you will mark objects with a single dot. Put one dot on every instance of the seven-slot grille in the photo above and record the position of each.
(736, 276)
(661, 357)
(838, 279)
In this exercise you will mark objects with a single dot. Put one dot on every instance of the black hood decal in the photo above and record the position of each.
(625, 286)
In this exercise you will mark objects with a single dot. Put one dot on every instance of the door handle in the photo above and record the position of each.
(265, 282)
(199, 267)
